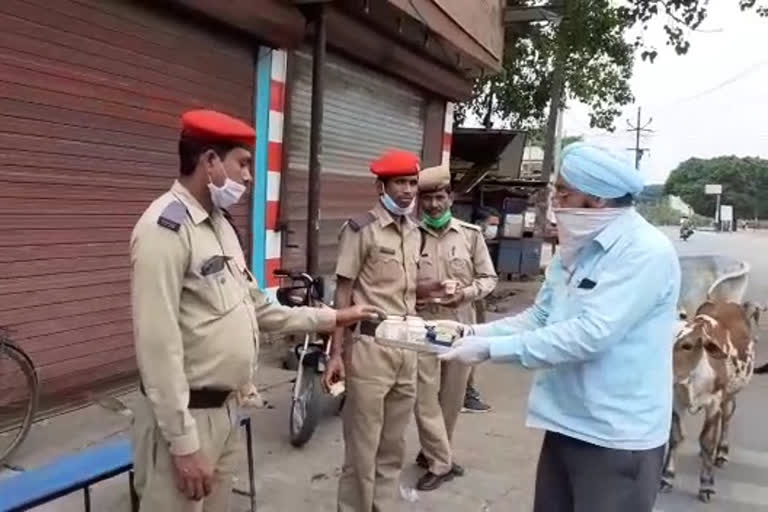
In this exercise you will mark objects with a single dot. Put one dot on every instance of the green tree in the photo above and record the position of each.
(597, 68)
(570, 139)
(651, 194)
(598, 63)
(744, 181)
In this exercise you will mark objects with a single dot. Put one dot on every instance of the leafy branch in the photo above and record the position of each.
(599, 60)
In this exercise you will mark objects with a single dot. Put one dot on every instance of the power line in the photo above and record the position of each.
(744, 73)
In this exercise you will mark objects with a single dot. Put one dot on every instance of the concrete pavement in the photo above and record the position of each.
(499, 453)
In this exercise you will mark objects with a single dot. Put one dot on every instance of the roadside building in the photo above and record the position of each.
(90, 97)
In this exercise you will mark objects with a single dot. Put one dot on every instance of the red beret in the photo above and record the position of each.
(396, 163)
(215, 126)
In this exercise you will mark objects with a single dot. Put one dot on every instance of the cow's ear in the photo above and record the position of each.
(714, 350)
(706, 308)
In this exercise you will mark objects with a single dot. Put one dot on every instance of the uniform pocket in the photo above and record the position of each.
(460, 270)
(427, 271)
(223, 290)
(387, 269)
(220, 289)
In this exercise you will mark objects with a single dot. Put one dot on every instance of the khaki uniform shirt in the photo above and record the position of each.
(196, 319)
(457, 252)
(380, 255)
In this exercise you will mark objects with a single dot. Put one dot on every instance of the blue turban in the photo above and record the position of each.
(599, 172)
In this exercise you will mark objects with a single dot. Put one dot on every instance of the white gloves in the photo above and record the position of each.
(469, 350)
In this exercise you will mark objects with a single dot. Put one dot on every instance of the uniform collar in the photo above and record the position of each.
(613, 231)
(452, 225)
(385, 218)
(195, 209)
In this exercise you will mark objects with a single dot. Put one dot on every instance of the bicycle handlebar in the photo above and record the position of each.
(298, 276)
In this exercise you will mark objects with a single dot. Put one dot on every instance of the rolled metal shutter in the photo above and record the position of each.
(90, 97)
(366, 113)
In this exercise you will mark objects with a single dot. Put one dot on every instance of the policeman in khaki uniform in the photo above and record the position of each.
(197, 313)
(378, 255)
(455, 270)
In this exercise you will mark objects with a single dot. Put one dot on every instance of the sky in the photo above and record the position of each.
(712, 101)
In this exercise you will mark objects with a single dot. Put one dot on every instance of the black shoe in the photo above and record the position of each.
(474, 404)
(431, 481)
(423, 463)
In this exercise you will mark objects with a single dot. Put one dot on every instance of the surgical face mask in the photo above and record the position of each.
(490, 231)
(226, 195)
(577, 227)
(393, 207)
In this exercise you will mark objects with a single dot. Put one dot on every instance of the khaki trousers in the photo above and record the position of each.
(440, 396)
(433, 436)
(453, 387)
(381, 391)
(155, 481)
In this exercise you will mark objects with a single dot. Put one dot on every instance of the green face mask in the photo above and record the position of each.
(438, 222)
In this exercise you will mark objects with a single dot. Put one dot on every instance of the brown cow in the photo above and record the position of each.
(713, 360)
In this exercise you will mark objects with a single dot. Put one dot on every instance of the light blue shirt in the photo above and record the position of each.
(603, 354)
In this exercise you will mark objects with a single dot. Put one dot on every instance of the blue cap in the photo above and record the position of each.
(599, 172)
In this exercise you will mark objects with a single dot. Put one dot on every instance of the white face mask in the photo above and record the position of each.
(577, 227)
(226, 195)
(394, 208)
(490, 231)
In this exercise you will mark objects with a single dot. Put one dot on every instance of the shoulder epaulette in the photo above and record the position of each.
(359, 223)
(173, 215)
(467, 225)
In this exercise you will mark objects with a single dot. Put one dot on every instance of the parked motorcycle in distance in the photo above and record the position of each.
(685, 233)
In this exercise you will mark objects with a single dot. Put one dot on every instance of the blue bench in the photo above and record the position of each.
(79, 471)
(67, 474)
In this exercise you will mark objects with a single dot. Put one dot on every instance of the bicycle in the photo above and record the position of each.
(313, 354)
(20, 388)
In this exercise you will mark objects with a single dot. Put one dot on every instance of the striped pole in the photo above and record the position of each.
(273, 243)
(448, 133)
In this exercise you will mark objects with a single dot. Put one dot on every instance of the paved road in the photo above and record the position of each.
(499, 453)
(743, 485)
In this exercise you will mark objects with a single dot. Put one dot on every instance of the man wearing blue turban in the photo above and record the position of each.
(600, 338)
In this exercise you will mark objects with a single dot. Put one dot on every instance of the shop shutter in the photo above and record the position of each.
(366, 113)
(90, 97)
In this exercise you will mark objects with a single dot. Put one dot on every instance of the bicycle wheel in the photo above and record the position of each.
(305, 408)
(19, 395)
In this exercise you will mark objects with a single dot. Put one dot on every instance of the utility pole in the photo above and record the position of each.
(639, 129)
(550, 132)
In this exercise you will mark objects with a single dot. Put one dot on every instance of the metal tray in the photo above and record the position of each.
(426, 347)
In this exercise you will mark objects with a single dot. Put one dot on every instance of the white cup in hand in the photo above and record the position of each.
(450, 286)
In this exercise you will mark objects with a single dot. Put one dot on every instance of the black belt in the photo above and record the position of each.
(205, 398)
(368, 328)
